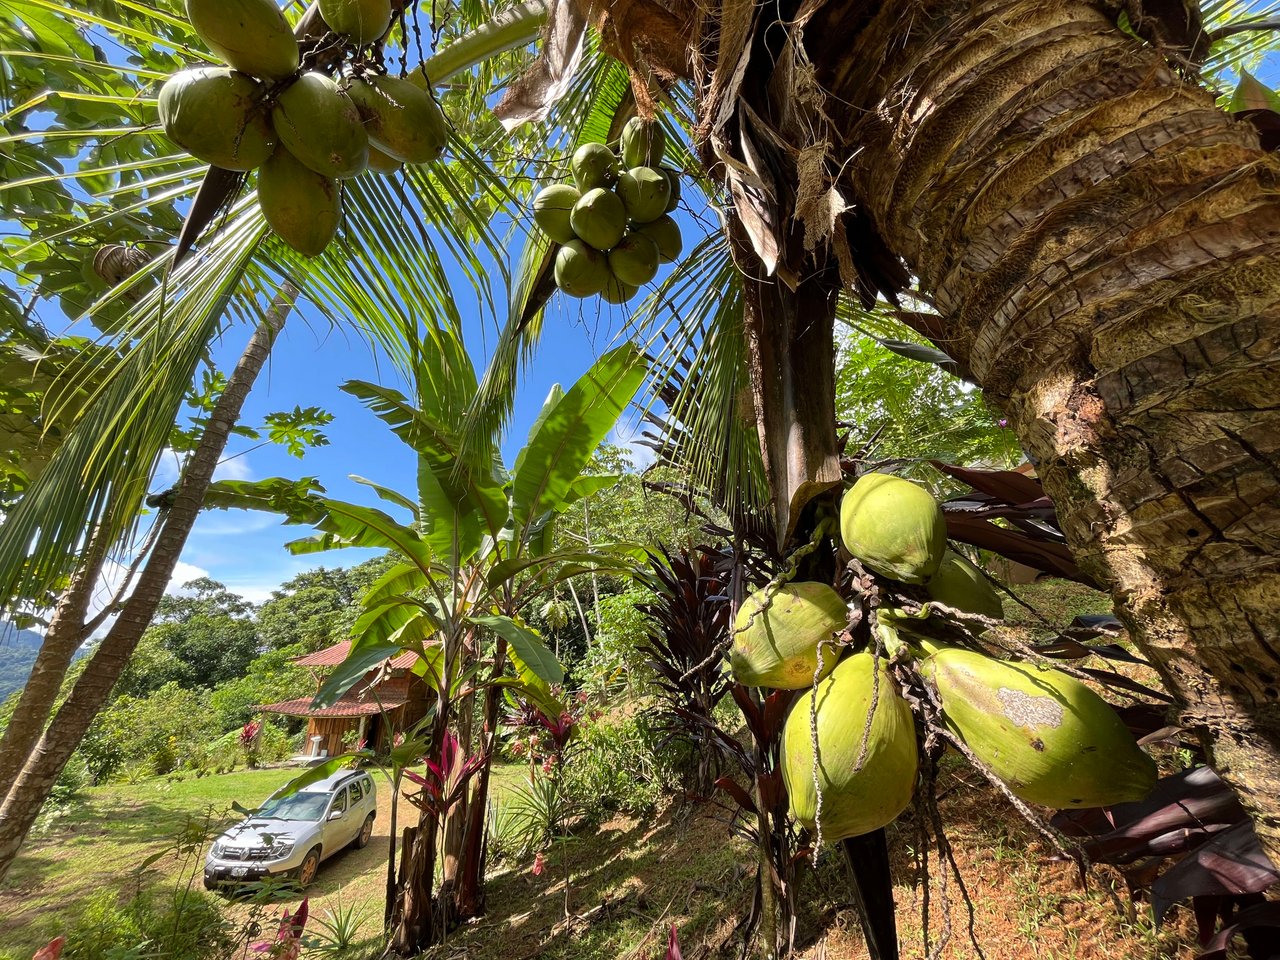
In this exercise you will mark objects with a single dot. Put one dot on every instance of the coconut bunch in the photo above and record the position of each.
(1047, 737)
(302, 130)
(612, 224)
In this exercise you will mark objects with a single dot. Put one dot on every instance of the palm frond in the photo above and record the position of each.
(386, 276)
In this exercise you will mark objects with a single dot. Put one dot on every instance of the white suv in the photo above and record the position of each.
(289, 836)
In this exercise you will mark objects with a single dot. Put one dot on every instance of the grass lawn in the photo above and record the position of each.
(102, 841)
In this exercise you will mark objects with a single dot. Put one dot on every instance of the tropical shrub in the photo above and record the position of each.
(621, 763)
(177, 924)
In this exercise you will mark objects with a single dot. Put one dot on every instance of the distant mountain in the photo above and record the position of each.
(18, 649)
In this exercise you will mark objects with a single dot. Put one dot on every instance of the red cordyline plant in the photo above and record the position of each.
(446, 777)
(249, 733)
(542, 738)
(287, 944)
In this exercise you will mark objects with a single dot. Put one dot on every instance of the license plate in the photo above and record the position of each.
(239, 871)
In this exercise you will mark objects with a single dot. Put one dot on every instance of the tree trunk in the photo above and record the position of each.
(413, 919)
(61, 641)
(789, 342)
(469, 896)
(1101, 241)
(93, 688)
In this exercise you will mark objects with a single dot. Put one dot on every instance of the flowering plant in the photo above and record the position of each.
(446, 777)
(287, 944)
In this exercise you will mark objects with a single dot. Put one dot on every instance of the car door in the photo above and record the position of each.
(337, 829)
(357, 805)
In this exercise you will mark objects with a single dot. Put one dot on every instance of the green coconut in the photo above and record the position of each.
(644, 192)
(581, 270)
(364, 21)
(776, 641)
(617, 292)
(321, 126)
(665, 232)
(303, 207)
(251, 35)
(894, 527)
(551, 209)
(958, 583)
(860, 791)
(380, 162)
(673, 178)
(642, 144)
(401, 119)
(593, 165)
(1046, 735)
(217, 116)
(634, 260)
(599, 218)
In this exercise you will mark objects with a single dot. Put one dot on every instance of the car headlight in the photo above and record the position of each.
(219, 847)
(281, 848)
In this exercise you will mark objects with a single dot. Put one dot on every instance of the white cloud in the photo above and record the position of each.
(628, 433)
(184, 573)
(113, 576)
(234, 468)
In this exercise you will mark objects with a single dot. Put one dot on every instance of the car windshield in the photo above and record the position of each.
(297, 806)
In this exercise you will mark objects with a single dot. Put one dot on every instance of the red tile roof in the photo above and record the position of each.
(345, 707)
(334, 655)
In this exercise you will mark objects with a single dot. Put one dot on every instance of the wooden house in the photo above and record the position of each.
(388, 699)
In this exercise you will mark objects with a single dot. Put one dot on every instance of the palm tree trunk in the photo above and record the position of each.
(1101, 242)
(61, 641)
(92, 689)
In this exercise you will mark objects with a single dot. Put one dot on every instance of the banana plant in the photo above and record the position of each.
(474, 540)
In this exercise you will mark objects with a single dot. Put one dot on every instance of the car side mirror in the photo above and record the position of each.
(336, 814)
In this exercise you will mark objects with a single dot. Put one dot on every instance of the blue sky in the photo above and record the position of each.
(245, 550)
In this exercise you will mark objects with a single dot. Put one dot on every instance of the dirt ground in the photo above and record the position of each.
(627, 882)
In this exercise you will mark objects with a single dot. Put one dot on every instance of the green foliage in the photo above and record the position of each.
(178, 925)
(149, 734)
(335, 932)
(621, 764)
(623, 510)
(615, 659)
(530, 815)
(919, 410)
(268, 679)
(198, 640)
(308, 612)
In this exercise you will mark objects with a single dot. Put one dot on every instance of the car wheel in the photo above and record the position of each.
(366, 831)
(307, 869)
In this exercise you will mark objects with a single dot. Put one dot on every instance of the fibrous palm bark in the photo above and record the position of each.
(1100, 241)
